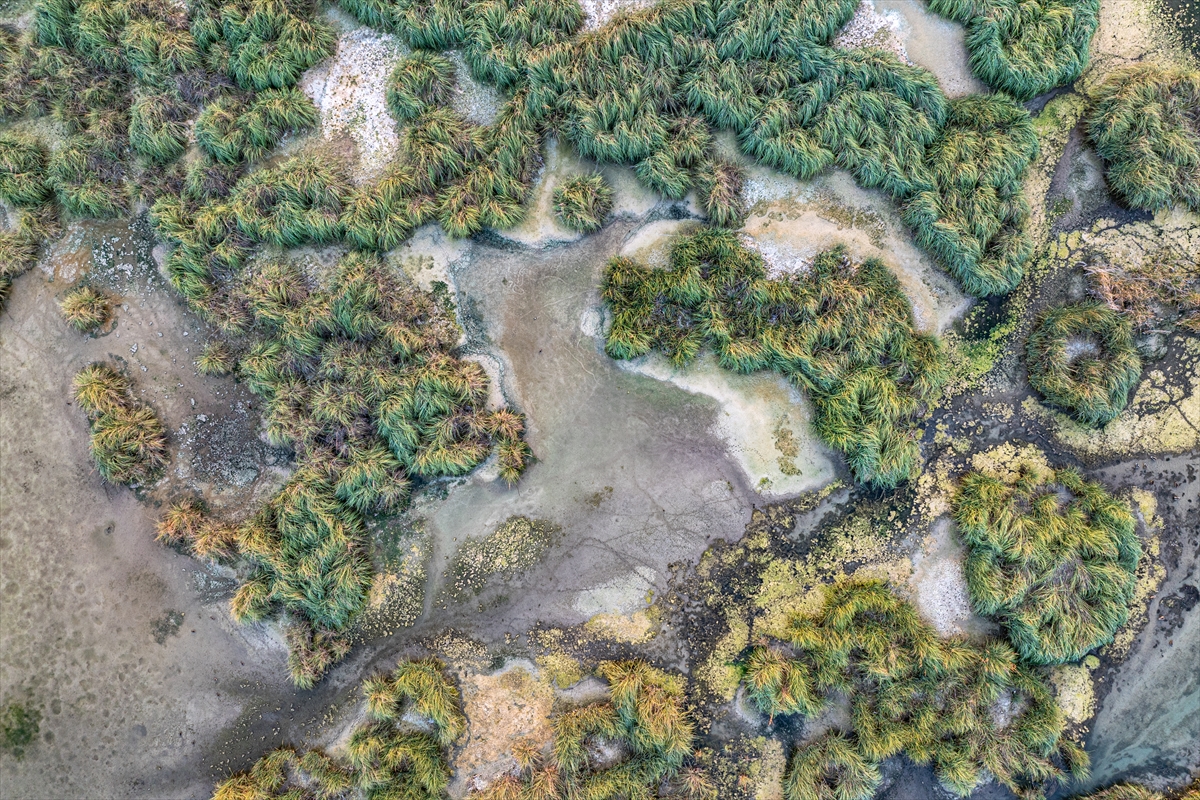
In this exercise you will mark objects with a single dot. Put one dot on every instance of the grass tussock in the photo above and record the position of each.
(843, 332)
(128, 441)
(1144, 124)
(22, 171)
(217, 358)
(299, 202)
(421, 82)
(158, 126)
(1058, 573)
(187, 524)
(387, 755)
(720, 189)
(583, 203)
(910, 692)
(1025, 48)
(645, 719)
(86, 309)
(236, 128)
(1083, 359)
(88, 175)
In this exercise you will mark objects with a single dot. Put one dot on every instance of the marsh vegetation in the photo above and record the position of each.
(1059, 573)
(1144, 124)
(910, 692)
(630, 745)
(413, 717)
(843, 332)
(360, 379)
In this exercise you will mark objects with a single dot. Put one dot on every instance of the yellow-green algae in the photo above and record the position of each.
(516, 545)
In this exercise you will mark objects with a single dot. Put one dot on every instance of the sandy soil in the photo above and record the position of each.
(124, 645)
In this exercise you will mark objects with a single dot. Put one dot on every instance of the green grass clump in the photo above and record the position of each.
(158, 126)
(22, 172)
(149, 40)
(973, 214)
(646, 715)
(880, 119)
(583, 203)
(388, 756)
(843, 332)
(88, 176)
(1058, 573)
(419, 83)
(1145, 125)
(299, 202)
(382, 215)
(910, 692)
(86, 309)
(261, 44)
(502, 36)
(128, 441)
(235, 129)
(424, 24)
(1083, 359)
(1025, 48)
(19, 726)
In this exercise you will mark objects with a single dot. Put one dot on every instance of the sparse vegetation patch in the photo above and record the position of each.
(630, 745)
(19, 726)
(389, 755)
(128, 441)
(843, 332)
(513, 547)
(1058, 572)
